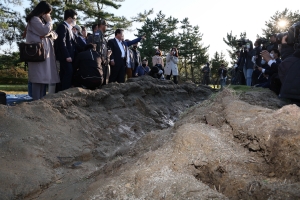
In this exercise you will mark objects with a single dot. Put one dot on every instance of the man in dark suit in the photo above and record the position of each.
(65, 46)
(119, 56)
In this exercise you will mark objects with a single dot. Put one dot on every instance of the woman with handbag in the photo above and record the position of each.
(39, 33)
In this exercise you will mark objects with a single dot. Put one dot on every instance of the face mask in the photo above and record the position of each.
(157, 54)
(73, 23)
(263, 62)
(144, 65)
(272, 55)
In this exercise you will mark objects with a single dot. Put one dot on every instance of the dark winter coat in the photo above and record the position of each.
(289, 75)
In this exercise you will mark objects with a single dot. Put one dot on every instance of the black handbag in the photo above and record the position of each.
(33, 52)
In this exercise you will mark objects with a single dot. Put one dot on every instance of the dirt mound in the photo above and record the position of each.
(150, 139)
(223, 148)
(53, 149)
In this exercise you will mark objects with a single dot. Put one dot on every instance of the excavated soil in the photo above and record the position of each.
(151, 139)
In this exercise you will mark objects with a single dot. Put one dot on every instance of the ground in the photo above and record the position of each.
(151, 139)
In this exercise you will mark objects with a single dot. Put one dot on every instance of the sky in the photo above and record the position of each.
(215, 18)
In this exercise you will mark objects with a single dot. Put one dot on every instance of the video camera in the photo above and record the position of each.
(242, 42)
(293, 36)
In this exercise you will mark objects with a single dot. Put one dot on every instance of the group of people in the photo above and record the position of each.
(75, 58)
(251, 69)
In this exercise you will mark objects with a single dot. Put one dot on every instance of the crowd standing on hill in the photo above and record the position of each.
(75, 58)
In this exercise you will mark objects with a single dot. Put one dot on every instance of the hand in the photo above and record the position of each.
(266, 56)
(109, 52)
(69, 59)
(260, 68)
(283, 41)
(112, 63)
(136, 74)
(47, 17)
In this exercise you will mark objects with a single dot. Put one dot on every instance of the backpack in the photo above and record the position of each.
(3, 98)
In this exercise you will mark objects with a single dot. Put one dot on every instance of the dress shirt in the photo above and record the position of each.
(122, 47)
(70, 28)
(83, 39)
(269, 63)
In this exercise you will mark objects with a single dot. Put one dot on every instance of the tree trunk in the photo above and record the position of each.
(185, 68)
(192, 70)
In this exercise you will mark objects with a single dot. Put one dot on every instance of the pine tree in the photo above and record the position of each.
(160, 34)
(232, 41)
(272, 25)
(9, 19)
(192, 51)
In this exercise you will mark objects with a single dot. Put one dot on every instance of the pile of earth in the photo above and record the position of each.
(151, 139)
(59, 144)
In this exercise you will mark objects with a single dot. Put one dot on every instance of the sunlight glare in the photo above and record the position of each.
(282, 23)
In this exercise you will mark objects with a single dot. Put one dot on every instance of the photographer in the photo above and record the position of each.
(246, 63)
(289, 69)
(256, 60)
(273, 44)
(206, 72)
(239, 65)
(222, 72)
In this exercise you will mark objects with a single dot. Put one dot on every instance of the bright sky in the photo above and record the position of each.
(214, 17)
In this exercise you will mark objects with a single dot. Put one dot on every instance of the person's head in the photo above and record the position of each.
(257, 43)
(70, 17)
(103, 26)
(119, 34)
(74, 30)
(89, 34)
(249, 45)
(275, 54)
(77, 30)
(43, 8)
(145, 62)
(135, 46)
(95, 27)
(174, 52)
(158, 52)
(83, 31)
(273, 38)
(90, 47)
(207, 64)
(222, 66)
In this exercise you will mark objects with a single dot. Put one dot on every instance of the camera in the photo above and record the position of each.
(264, 41)
(292, 35)
(242, 42)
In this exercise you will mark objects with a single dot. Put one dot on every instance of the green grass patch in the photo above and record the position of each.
(14, 88)
(245, 88)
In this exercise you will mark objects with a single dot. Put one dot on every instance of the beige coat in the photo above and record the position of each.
(42, 72)
(171, 65)
(157, 60)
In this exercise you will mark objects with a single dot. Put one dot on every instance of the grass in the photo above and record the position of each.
(7, 88)
(14, 89)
